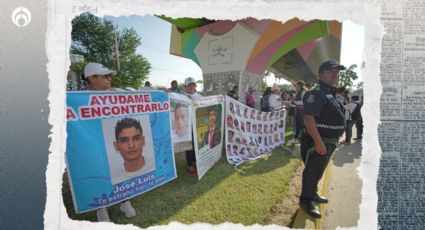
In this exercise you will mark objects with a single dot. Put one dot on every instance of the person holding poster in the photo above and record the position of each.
(213, 136)
(275, 101)
(324, 122)
(190, 91)
(99, 78)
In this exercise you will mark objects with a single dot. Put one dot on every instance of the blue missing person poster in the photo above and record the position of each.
(118, 146)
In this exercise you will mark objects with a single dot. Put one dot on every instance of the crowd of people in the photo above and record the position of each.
(274, 99)
(316, 111)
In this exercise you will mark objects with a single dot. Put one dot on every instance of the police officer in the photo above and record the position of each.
(324, 122)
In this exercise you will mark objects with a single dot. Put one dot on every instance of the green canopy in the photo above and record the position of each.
(186, 23)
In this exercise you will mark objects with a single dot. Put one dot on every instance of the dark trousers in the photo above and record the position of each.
(359, 127)
(298, 122)
(315, 165)
(190, 155)
(349, 130)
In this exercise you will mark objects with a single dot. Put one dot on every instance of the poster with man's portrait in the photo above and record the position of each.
(181, 122)
(208, 127)
(208, 120)
(129, 147)
(118, 146)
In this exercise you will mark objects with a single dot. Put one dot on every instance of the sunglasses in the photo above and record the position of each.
(105, 76)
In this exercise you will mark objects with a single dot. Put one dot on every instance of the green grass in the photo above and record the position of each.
(223, 194)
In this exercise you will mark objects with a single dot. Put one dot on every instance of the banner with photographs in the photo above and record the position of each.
(181, 122)
(208, 125)
(118, 146)
(251, 133)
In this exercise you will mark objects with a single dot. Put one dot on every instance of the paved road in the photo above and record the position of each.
(344, 191)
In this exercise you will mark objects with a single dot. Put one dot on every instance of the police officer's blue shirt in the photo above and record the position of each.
(320, 102)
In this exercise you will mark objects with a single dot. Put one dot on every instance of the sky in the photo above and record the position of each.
(155, 36)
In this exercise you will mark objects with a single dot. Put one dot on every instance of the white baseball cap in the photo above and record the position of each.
(189, 81)
(97, 69)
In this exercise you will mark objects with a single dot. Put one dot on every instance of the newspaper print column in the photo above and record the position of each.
(401, 178)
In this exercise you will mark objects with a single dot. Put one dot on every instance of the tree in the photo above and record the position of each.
(347, 77)
(359, 89)
(286, 87)
(359, 86)
(134, 70)
(95, 39)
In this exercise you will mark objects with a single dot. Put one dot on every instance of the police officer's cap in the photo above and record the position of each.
(331, 64)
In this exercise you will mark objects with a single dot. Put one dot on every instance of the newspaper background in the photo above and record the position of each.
(401, 180)
(364, 12)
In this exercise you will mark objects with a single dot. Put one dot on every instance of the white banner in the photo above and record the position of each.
(207, 118)
(251, 133)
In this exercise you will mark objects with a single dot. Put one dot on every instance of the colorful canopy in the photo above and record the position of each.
(293, 49)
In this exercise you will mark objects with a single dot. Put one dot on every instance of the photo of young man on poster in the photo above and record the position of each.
(213, 135)
(130, 152)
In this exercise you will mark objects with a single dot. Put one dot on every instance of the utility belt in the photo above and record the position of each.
(326, 140)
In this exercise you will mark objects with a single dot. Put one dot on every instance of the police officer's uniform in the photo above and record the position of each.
(321, 103)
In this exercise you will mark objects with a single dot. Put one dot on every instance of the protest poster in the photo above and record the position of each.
(118, 146)
(208, 121)
(181, 122)
(251, 133)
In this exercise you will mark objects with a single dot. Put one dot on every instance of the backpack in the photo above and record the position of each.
(356, 115)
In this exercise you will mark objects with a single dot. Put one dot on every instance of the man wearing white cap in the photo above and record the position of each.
(190, 88)
(99, 78)
(190, 91)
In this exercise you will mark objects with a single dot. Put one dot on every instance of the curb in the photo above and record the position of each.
(303, 220)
